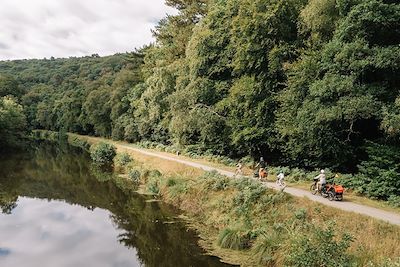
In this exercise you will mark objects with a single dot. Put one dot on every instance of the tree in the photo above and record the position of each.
(9, 86)
(12, 122)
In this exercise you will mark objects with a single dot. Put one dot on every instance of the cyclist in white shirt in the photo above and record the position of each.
(321, 180)
(280, 177)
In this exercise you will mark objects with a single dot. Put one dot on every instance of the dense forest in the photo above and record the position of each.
(304, 83)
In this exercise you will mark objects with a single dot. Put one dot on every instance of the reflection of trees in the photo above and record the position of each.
(7, 202)
(9, 185)
(53, 172)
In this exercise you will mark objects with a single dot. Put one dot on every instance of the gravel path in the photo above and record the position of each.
(390, 217)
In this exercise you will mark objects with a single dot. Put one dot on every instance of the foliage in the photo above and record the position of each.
(103, 153)
(12, 122)
(122, 159)
(214, 181)
(320, 249)
(394, 201)
(134, 175)
(379, 175)
(79, 142)
(84, 95)
(153, 187)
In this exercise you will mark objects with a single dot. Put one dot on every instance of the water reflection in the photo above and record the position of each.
(59, 211)
(60, 234)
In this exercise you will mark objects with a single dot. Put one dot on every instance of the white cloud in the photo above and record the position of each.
(62, 28)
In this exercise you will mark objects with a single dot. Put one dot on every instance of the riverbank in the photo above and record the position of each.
(245, 223)
(295, 178)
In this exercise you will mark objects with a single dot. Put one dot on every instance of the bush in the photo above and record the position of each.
(249, 194)
(171, 182)
(379, 176)
(301, 214)
(134, 175)
(177, 187)
(320, 249)
(103, 153)
(215, 181)
(247, 161)
(296, 175)
(123, 159)
(394, 201)
(153, 187)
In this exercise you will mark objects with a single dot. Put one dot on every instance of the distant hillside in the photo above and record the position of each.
(73, 94)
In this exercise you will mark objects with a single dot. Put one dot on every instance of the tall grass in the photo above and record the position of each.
(242, 220)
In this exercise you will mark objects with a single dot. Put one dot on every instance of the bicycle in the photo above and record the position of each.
(280, 183)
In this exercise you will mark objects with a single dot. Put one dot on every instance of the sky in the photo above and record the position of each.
(63, 28)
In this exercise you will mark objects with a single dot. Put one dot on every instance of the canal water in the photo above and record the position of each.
(59, 210)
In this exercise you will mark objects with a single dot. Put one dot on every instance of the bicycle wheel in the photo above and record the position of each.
(312, 189)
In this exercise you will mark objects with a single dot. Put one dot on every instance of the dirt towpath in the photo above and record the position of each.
(390, 217)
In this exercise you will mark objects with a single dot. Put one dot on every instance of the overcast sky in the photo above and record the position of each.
(62, 28)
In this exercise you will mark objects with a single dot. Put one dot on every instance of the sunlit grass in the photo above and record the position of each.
(225, 215)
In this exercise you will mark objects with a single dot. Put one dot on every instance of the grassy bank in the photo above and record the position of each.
(244, 223)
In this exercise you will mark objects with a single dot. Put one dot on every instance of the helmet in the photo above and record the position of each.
(322, 171)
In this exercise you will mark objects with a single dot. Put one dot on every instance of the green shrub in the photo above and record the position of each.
(296, 175)
(247, 161)
(347, 180)
(124, 184)
(171, 182)
(234, 239)
(379, 175)
(214, 181)
(247, 196)
(122, 159)
(320, 248)
(103, 153)
(153, 187)
(301, 214)
(177, 187)
(394, 201)
(134, 175)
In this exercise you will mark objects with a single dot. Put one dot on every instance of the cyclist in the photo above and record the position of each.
(321, 180)
(280, 178)
(262, 169)
(239, 170)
